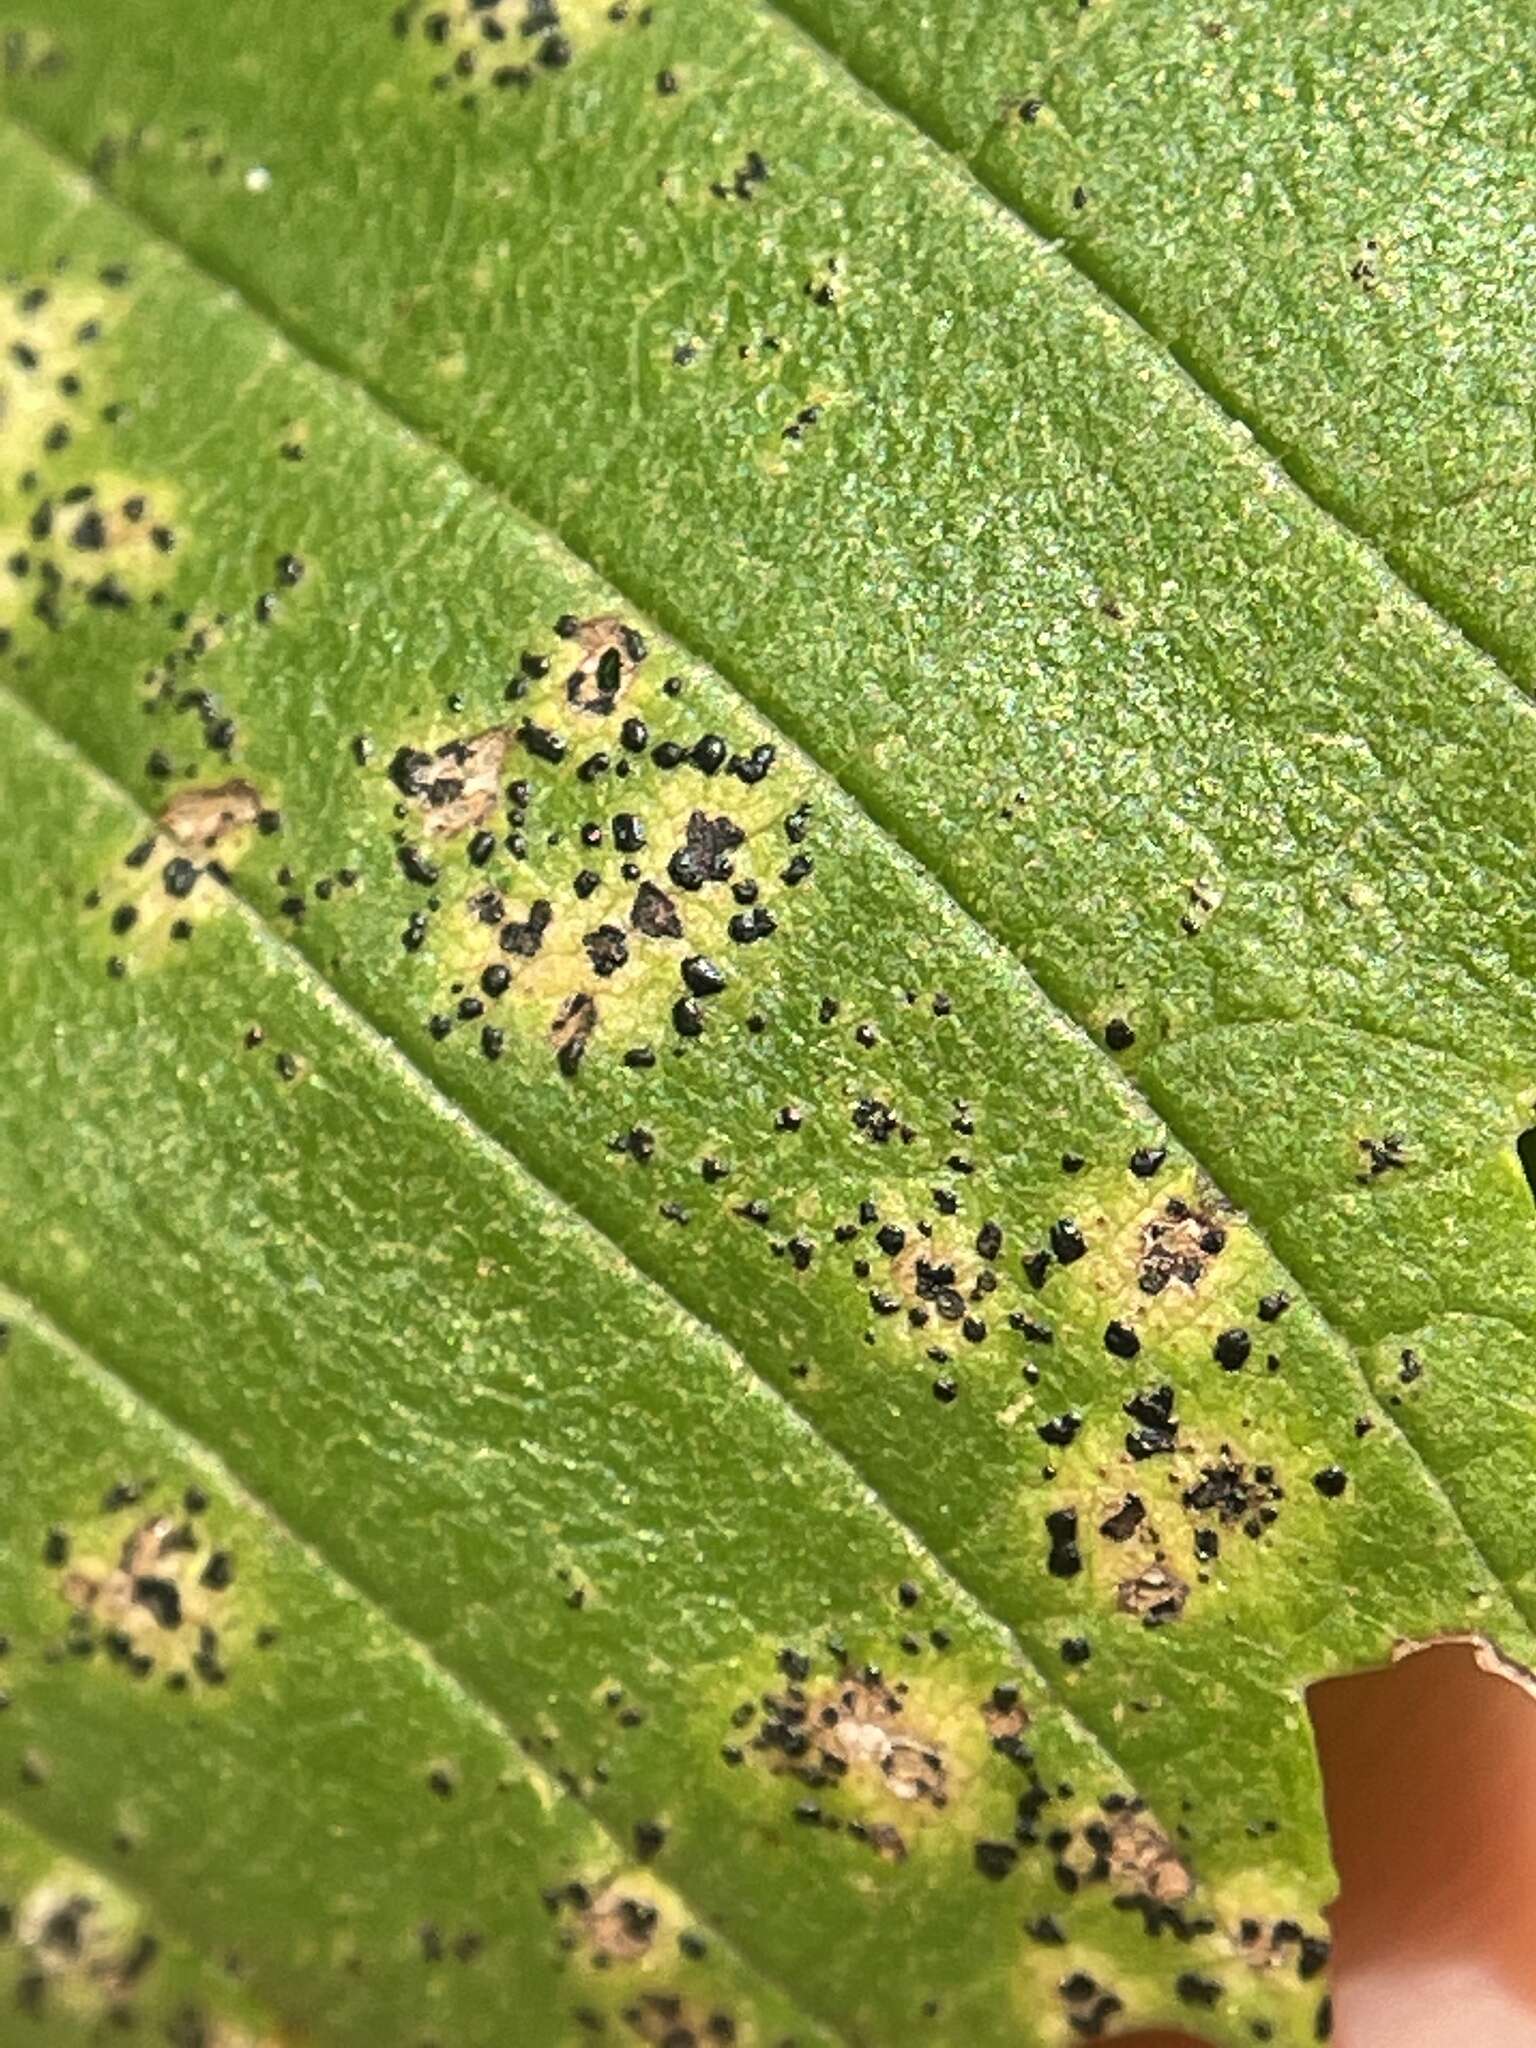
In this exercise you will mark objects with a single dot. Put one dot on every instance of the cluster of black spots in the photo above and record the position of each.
(879, 1122)
(1235, 1495)
(1225, 1492)
(81, 546)
(745, 181)
(504, 45)
(853, 1728)
(1266, 1943)
(155, 1606)
(1155, 1595)
(629, 836)
(609, 1927)
(1156, 1433)
(607, 1924)
(197, 145)
(1178, 1245)
(1089, 2007)
(66, 1951)
(822, 290)
(1118, 1848)
(173, 684)
(1064, 1557)
(435, 1945)
(1364, 271)
(1059, 1431)
(23, 55)
(1203, 900)
(178, 867)
(665, 2019)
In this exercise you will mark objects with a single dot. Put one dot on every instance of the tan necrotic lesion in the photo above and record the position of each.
(173, 878)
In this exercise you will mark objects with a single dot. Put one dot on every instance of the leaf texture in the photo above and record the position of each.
(755, 970)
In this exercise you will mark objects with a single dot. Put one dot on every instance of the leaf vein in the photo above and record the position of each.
(501, 1152)
(329, 360)
(464, 1696)
(1441, 605)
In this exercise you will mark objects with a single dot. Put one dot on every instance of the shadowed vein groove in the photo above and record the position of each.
(455, 1688)
(314, 350)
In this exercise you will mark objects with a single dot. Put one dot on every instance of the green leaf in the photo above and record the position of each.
(773, 1014)
(1331, 259)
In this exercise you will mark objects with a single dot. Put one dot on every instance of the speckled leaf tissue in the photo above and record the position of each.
(766, 996)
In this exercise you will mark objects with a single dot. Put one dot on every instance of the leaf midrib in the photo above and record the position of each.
(313, 350)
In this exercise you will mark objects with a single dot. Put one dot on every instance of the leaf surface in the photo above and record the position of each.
(1337, 261)
(780, 996)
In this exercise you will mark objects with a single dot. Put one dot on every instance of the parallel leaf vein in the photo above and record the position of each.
(463, 1695)
(1331, 504)
(1035, 974)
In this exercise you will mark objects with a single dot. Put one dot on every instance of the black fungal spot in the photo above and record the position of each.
(1064, 1559)
(1387, 1154)
(1126, 1519)
(1232, 1349)
(1156, 1434)
(1067, 1241)
(702, 977)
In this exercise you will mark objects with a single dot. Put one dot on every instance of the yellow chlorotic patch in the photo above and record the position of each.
(507, 46)
(150, 1584)
(75, 533)
(583, 882)
(78, 1948)
(897, 1764)
(634, 1955)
